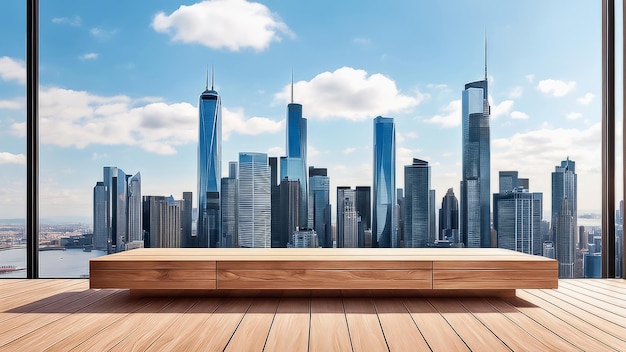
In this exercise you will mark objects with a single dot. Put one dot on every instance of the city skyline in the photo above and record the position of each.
(544, 107)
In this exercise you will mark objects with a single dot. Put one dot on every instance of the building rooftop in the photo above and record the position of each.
(64, 315)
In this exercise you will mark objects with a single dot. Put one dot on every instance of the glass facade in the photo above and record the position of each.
(564, 215)
(475, 185)
(319, 205)
(291, 168)
(449, 218)
(229, 207)
(517, 221)
(254, 201)
(296, 165)
(347, 218)
(384, 228)
(417, 210)
(209, 165)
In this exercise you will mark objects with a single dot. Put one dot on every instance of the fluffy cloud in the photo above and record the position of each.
(78, 118)
(236, 121)
(502, 109)
(586, 99)
(555, 87)
(516, 92)
(518, 115)
(12, 70)
(573, 116)
(530, 77)
(73, 21)
(350, 94)
(102, 34)
(89, 56)
(450, 115)
(11, 104)
(8, 158)
(231, 24)
(349, 150)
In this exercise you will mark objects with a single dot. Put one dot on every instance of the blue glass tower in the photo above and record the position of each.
(384, 229)
(296, 155)
(475, 185)
(417, 207)
(209, 166)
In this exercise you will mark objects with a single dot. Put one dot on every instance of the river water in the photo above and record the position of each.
(70, 263)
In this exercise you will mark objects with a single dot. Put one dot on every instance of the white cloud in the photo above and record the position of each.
(101, 33)
(276, 151)
(502, 109)
(555, 87)
(11, 104)
(89, 56)
(349, 150)
(362, 41)
(231, 24)
(518, 115)
(530, 78)
(236, 121)
(573, 115)
(72, 21)
(450, 115)
(8, 158)
(351, 94)
(516, 92)
(12, 70)
(586, 99)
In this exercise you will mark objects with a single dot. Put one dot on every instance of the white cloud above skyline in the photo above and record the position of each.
(556, 88)
(10, 158)
(74, 21)
(350, 94)
(89, 56)
(587, 98)
(573, 116)
(12, 70)
(449, 116)
(235, 121)
(518, 115)
(14, 104)
(230, 24)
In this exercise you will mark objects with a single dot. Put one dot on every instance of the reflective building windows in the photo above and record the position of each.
(254, 201)
(384, 229)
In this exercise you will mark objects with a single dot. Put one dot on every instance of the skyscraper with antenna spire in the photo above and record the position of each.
(209, 166)
(475, 225)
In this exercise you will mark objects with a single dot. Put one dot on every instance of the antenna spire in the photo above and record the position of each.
(212, 77)
(485, 54)
(206, 85)
(292, 85)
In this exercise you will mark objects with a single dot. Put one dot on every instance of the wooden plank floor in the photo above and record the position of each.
(65, 315)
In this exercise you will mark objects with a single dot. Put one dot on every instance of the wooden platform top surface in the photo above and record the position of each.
(323, 254)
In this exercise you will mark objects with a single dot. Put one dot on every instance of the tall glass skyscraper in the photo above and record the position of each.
(319, 205)
(384, 228)
(296, 142)
(347, 218)
(135, 224)
(254, 201)
(229, 199)
(364, 210)
(449, 218)
(564, 215)
(475, 185)
(417, 205)
(209, 166)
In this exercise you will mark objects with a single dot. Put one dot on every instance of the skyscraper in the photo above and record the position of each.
(229, 209)
(186, 209)
(564, 215)
(135, 231)
(209, 164)
(347, 219)
(449, 218)
(319, 205)
(163, 222)
(517, 215)
(294, 168)
(275, 203)
(417, 211)
(113, 207)
(384, 228)
(364, 210)
(254, 201)
(475, 185)
(289, 219)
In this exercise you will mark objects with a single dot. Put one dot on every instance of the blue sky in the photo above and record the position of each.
(120, 82)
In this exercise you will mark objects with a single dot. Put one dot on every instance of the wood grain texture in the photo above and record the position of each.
(363, 324)
(329, 328)
(400, 330)
(494, 279)
(253, 330)
(290, 329)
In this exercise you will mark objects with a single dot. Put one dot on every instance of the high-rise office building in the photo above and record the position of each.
(319, 206)
(384, 227)
(475, 185)
(347, 218)
(162, 222)
(517, 215)
(186, 210)
(294, 166)
(254, 201)
(517, 221)
(209, 166)
(112, 202)
(303, 238)
(275, 203)
(135, 230)
(417, 205)
(100, 231)
(229, 199)
(364, 211)
(564, 215)
(291, 169)
(400, 215)
(289, 216)
(449, 218)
